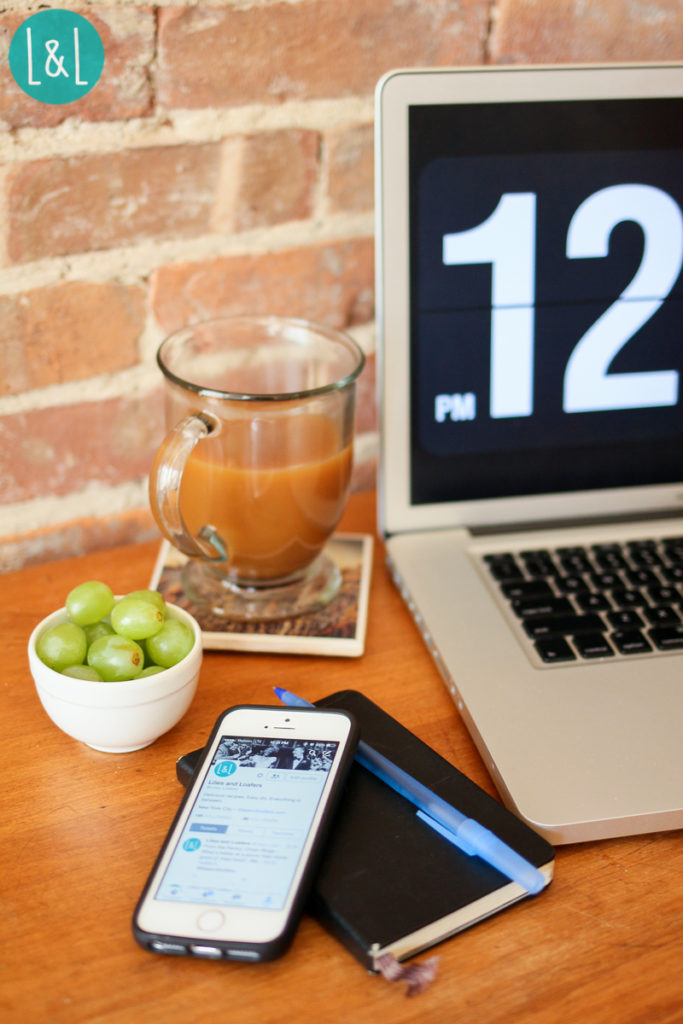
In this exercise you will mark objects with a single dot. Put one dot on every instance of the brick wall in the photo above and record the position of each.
(223, 164)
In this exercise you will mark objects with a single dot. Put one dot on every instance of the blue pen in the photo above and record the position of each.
(466, 833)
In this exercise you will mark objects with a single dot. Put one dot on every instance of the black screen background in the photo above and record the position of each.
(582, 458)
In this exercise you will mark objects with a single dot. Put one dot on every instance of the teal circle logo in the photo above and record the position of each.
(224, 768)
(56, 56)
(191, 845)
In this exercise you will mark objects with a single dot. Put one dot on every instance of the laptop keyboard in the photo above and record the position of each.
(597, 601)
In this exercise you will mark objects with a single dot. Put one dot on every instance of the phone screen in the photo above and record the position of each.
(247, 827)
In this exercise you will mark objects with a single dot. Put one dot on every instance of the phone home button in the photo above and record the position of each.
(210, 920)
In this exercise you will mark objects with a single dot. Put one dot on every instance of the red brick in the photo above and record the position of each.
(351, 169)
(132, 526)
(76, 537)
(331, 283)
(231, 56)
(531, 31)
(277, 178)
(124, 88)
(103, 200)
(68, 332)
(92, 202)
(57, 451)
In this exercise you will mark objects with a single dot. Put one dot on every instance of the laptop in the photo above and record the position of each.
(530, 365)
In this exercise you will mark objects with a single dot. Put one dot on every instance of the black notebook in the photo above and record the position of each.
(388, 882)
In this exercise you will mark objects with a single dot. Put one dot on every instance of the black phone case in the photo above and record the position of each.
(235, 950)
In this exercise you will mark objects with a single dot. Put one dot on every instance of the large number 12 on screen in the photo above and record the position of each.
(506, 240)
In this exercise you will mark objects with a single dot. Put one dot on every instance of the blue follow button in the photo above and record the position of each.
(56, 56)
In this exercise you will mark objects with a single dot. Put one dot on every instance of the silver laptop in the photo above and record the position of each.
(529, 253)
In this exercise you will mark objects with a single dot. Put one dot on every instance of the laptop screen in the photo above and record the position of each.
(546, 247)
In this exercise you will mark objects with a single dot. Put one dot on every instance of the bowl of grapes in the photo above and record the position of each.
(115, 671)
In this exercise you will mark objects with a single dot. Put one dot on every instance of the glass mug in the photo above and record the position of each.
(254, 474)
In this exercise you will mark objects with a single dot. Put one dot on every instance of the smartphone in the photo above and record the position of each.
(234, 871)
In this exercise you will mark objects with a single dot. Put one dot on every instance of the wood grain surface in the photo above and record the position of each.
(80, 830)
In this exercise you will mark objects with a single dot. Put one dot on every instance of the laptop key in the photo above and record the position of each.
(625, 619)
(664, 595)
(673, 549)
(661, 615)
(574, 560)
(562, 625)
(644, 553)
(628, 598)
(606, 580)
(553, 649)
(630, 641)
(542, 606)
(518, 590)
(667, 638)
(503, 567)
(571, 584)
(641, 577)
(609, 557)
(593, 645)
(591, 602)
(539, 563)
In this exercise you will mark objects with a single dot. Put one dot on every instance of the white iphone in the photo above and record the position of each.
(234, 871)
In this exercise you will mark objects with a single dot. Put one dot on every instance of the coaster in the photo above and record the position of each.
(338, 629)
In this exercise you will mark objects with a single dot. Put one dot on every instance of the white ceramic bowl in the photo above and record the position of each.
(117, 717)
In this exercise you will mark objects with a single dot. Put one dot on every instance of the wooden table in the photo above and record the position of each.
(80, 830)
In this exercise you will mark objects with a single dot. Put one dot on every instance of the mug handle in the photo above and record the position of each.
(164, 489)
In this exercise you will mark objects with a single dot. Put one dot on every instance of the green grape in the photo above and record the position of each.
(153, 596)
(142, 644)
(89, 602)
(171, 644)
(83, 672)
(110, 640)
(151, 670)
(97, 629)
(116, 658)
(61, 646)
(136, 618)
